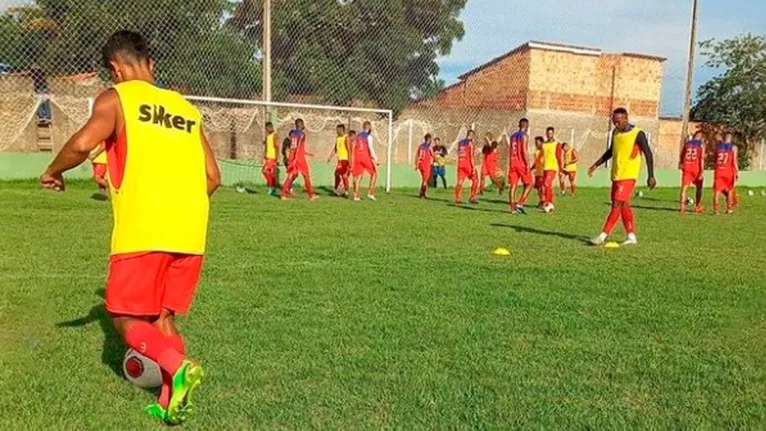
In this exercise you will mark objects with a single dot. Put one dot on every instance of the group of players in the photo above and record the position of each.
(159, 239)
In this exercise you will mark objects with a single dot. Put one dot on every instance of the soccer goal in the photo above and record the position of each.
(235, 129)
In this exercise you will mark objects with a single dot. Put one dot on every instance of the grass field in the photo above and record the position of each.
(394, 314)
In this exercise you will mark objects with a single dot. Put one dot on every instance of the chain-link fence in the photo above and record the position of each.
(441, 66)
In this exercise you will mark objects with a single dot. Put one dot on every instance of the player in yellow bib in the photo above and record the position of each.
(568, 169)
(153, 138)
(552, 153)
(341, 151)
(270, 160)
(628, 144)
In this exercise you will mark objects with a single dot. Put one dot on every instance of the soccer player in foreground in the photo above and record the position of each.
(364, 159)
(692, 166)
(154, 138)
(551, 164)
(423, 161)
(270, 162)
(489, 164)
(726, 173)
(298, 164)
(341, 151)
(466, 169)
(569, 169)
(628, 143)
(518, 168)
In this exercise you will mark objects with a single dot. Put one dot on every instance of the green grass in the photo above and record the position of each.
(394, 314)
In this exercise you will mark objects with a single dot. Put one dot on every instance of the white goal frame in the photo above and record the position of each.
(387, 112)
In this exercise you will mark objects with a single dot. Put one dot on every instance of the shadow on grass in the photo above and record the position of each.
(99, 197)
(526, 229)
(648, 208)
(113, 350)
(430, 198)
(476, 208)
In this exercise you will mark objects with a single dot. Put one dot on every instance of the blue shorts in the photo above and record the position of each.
(439, 171)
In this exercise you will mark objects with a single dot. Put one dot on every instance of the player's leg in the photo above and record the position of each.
(562, 184)
(306, 174)
(698, 186)
(474, 187)
(461, 176)
(481, 183)
(338, 180)
(526, 180)
(548, 178)
(373, 181)
(684, 190)
(357, 182)
(513, 185)
(344, 179)
(443, 174)
(573, 183)
(423, 183)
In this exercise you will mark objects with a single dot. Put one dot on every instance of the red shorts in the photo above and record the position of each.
(363, 165)
(520, 173)
(425, 171)
(723, 183)
(489, 169)
(539, 181)
(270, 166)
(99, 170)
(296, 168)
(464, 172)
(622, 190)
(342, 167)
(688, 178)
(142, 284)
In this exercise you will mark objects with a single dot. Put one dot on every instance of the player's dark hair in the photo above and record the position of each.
(352, 132)
(550, 129)
(539, 139)
(523, 121)
(341, 127)
(269, 124)
(298, 121)
(470, 131)
(622, 111)
(427, 136)
(128, 45)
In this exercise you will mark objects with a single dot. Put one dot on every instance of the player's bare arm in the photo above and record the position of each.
(101, 125)
(643, 144)
(603, 159)
(212, 172)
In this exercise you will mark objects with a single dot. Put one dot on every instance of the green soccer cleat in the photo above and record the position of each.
(156, 411)
(185, 382)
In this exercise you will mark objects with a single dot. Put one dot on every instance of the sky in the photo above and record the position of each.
(656, 27)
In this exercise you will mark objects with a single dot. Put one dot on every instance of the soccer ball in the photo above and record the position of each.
(750, 193)
(689, 201)
(241, 189)
(141, 371)
(640, 194)
(763, 192)
(548, 208)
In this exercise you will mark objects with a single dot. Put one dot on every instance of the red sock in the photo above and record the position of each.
(286, 186)
(177, 343)
(627, 220)
(150, 342)
(309, 187)
(612, 219)
(474, 189)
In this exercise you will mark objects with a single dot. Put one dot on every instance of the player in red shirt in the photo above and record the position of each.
(466, 168)
(297, 163)
(423, 161)
(489, 164)
(518, 167)
(364, 159)
(692, 166)
(726, 173)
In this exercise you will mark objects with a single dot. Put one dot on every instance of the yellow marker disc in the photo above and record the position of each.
(501, 252)
(612, 244)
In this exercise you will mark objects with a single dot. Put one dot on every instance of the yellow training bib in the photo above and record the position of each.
(626, 155)
(271, 147)
(101, 158)
(550, 161)
(161, 202)
(340, 148)
(568, 157)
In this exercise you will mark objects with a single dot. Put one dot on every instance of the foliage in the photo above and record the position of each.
(383, 51)
(736, 98)
(196, 51)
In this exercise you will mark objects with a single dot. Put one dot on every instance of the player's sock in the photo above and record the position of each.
(612, 219)
(627, 220)
(177, 343)
(309, 187)
(152, 343)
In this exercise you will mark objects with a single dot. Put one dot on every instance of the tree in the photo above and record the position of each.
(196, 50)
(736, 98)
(381, 51)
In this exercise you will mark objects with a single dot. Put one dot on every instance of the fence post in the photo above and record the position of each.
(409, 142)
(760, 154)
(572, 139)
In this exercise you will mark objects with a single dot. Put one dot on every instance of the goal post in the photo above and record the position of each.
(297, 109)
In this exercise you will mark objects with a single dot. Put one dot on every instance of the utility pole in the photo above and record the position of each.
(690, 72)
(267, 55)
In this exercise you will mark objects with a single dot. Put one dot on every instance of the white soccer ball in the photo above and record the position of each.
(689, 201)
(640, 194)
(141, 371)
(763, 192)
(241, 189)
(548, 208)
(750, 193)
